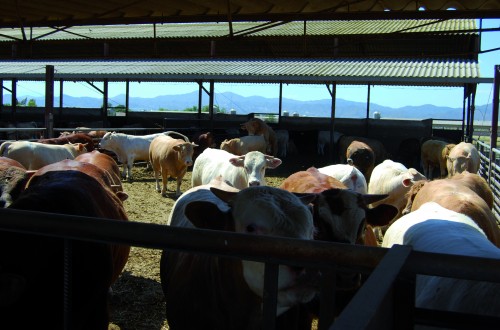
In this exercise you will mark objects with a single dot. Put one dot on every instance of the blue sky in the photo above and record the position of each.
(390, 96)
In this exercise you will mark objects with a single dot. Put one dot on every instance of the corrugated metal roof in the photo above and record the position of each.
(342, 71)
(217, 30)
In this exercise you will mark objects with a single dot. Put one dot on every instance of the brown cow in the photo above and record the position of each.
(203, 140)
(361, 156)
(71, 138)
(256, 126)
(105, 162)
(466, 193)
(434, 155)
(32, 267)
(170, 157)
(243, 145)
(377, 147)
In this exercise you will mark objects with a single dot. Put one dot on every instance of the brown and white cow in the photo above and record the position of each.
(171, 158)
(434, 155)
(130, 148)
(32, 265)
(227, 293)
(463, 157)
(71, 138)
(340, 215)
(467, 194)
(34, 155)
(257, 126)
(243, 145)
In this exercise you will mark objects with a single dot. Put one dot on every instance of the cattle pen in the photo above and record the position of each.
(385, 301)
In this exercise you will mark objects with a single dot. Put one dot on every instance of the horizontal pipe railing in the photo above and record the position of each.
(271, 250)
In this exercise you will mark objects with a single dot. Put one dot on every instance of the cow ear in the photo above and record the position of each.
(206, 215)
(238, 161)
(273, 162)
(123, 196)
(306, 198)
(372, 198)
(225, 195)
(381, 215)
(406, 182)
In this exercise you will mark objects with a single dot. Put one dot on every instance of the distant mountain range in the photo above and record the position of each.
(258, 104)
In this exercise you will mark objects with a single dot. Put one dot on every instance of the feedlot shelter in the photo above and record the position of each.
(390, 286)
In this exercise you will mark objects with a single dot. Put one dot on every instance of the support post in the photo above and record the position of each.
(49, 101)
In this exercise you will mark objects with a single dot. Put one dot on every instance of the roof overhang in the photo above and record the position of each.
(341, 71)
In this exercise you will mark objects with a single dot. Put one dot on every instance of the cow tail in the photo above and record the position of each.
(174, 132)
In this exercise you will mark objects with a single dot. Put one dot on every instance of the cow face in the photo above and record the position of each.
(185, 152)
(255, 164)
(274, 212)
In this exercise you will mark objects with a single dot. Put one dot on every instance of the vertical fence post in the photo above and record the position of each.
(270, 296)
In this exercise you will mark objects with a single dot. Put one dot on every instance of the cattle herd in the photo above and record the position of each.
(367, 198)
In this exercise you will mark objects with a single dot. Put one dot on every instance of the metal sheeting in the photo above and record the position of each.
(248, 29)
(399, 72)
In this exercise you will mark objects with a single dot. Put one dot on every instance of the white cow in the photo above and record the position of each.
(34, 155)
(394, 179)
(129, 148)
(433, 228)
(225, 287)
(349, 175)
(463, 157)
(239, 171)
(324, 139)
(283, 138)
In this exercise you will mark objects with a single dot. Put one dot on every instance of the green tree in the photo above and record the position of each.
(32, 103)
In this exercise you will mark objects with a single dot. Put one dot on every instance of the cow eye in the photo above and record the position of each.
(252, 228)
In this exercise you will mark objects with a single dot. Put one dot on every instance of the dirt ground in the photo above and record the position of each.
(137, 302)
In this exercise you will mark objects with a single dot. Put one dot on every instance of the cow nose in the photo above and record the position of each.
(254, 183)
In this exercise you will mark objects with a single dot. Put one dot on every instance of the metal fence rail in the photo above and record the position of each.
(381, 293)
(489, 169)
